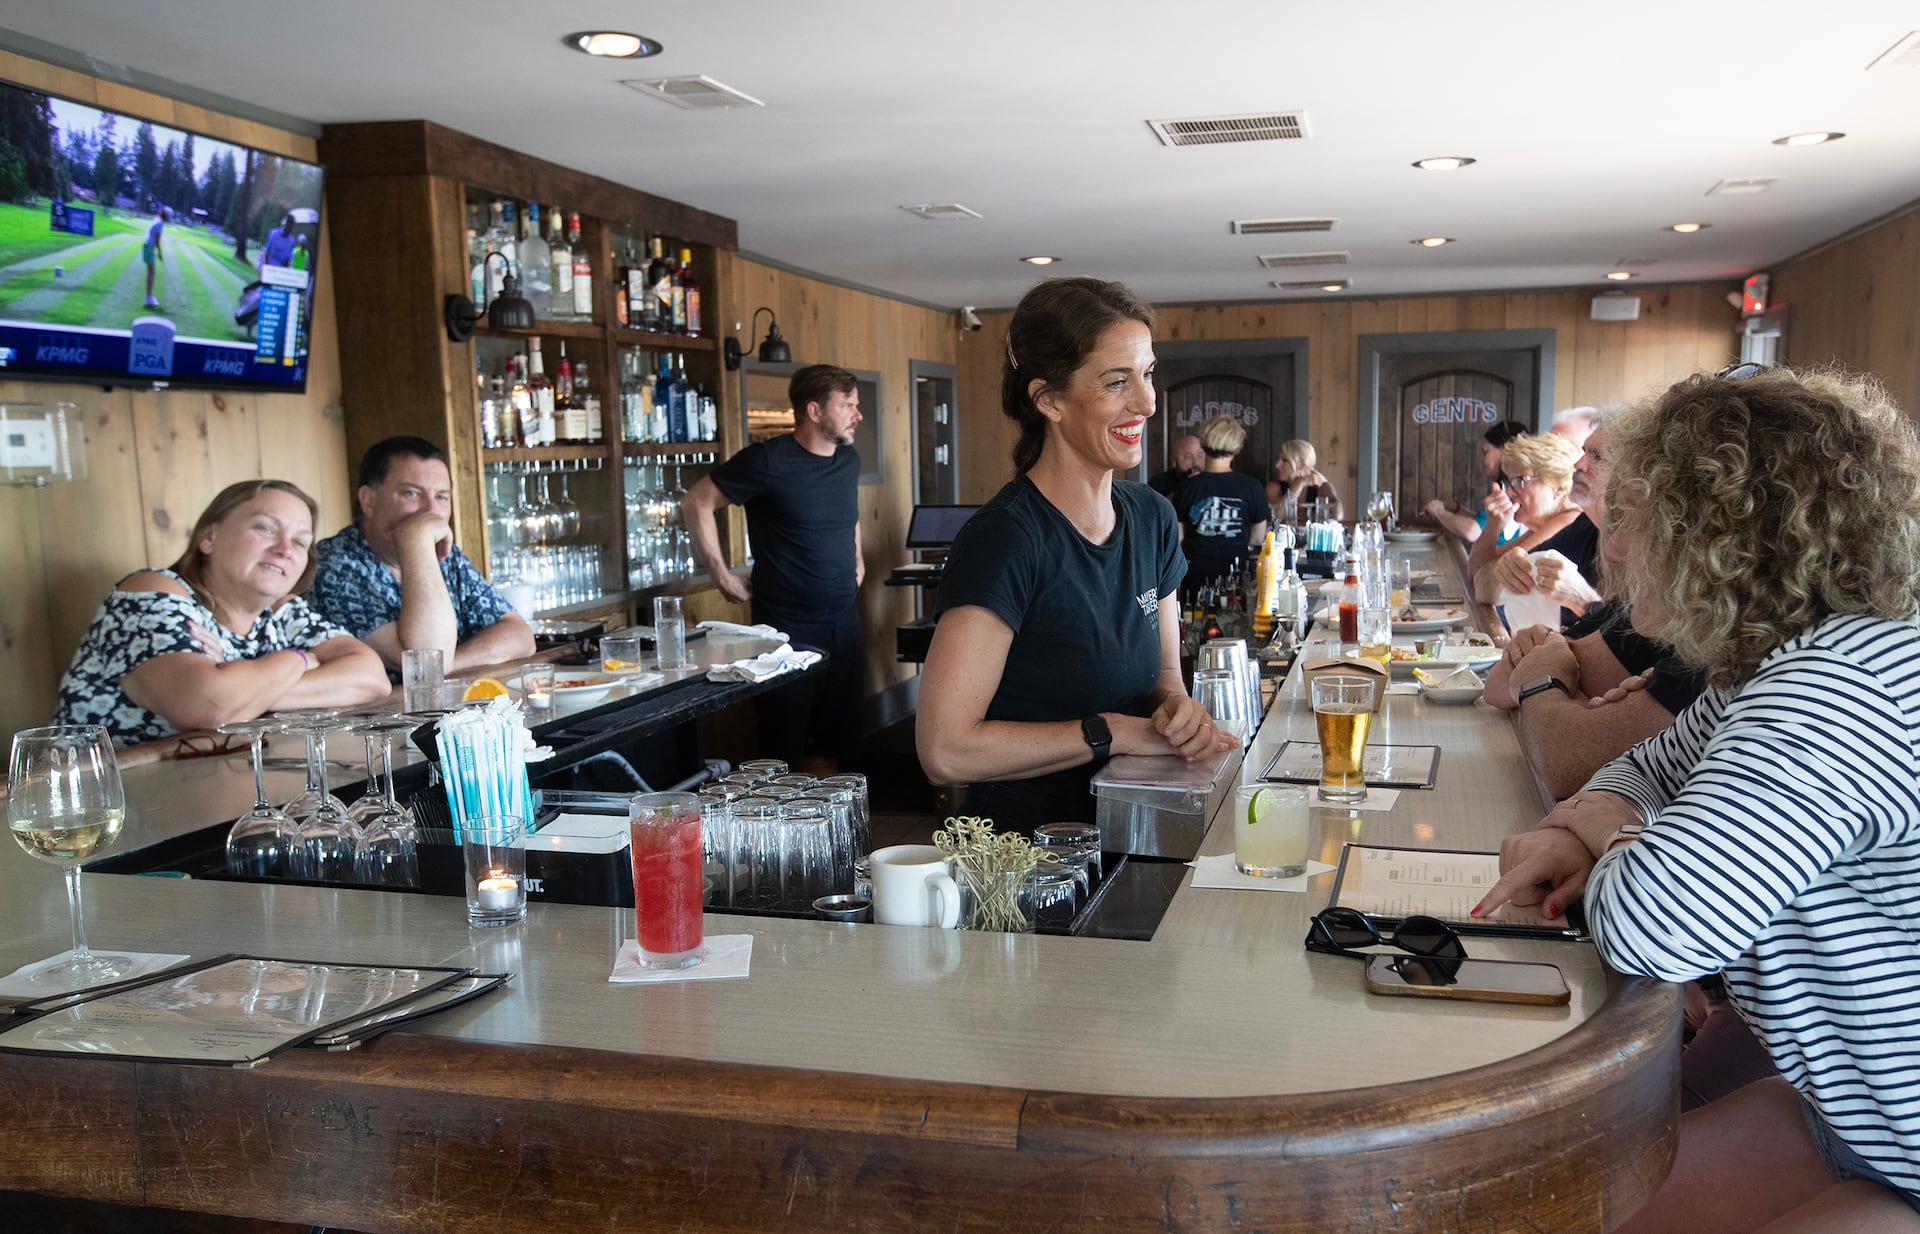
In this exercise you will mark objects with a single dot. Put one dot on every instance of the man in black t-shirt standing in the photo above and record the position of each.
(801, 493)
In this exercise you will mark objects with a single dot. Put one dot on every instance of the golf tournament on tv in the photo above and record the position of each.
(134, 252)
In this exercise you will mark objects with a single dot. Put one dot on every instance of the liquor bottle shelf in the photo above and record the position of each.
(655, 449)
(529, 454)
(662, 342)
(553, 329)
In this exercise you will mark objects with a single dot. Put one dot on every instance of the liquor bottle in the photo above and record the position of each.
(680, 414)
(477, 251)
(1350, 596)
(540, 387)
(677, 302)
(690, 293)
(588, 402)
(536, 269)
(624, 314)
(666, 396)
(564, 411)
(660, 283)
(500, 239)
(489, 412)
(506, 424)
(709, 418)
(582, 269)
(653, 422)
(560, 254)
(641, 306)
(520, 400)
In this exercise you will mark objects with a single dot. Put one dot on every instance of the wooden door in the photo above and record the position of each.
(1435, 409)
(1256, 390)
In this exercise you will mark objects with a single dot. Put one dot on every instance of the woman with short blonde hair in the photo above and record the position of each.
(1536, 474)
(1298, 473)
(1223, 512)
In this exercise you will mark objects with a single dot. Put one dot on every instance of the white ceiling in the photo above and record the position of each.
(1595, 125)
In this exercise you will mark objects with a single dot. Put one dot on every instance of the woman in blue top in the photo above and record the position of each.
(1058, 641)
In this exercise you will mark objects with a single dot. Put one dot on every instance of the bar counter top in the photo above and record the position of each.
(876, 1077)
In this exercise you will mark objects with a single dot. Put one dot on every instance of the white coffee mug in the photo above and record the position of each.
(911, 886)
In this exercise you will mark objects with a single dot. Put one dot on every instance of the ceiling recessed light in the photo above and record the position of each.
(1039, 261)
(1333, 287)
(1432, 242)
(614, 43)
(1807, 139)
(1444, 162)
(1619, 276)
(1687, 229)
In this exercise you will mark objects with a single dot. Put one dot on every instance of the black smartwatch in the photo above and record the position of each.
(1099, 737)
(1540, 685)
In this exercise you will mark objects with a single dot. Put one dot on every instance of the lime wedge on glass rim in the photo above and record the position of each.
(1259, 804)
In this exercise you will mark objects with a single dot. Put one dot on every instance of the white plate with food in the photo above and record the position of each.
(580, 685)
(1412, 535)
(1430, 621)
(1452, 653)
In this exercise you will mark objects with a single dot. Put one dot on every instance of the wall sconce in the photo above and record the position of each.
(773, 351)
(509, 310)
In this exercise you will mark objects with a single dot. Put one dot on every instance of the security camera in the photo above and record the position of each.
(969, 320)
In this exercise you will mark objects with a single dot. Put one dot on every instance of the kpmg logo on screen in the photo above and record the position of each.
(1456, 411)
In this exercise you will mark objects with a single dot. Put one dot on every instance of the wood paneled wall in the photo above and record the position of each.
(1681, 329)
(826, 324)
(154, 459)
(1855, 301)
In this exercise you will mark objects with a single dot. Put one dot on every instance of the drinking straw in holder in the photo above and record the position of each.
(483, 759)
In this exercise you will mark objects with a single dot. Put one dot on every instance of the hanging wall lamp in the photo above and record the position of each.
(508, 311)
(773, 351)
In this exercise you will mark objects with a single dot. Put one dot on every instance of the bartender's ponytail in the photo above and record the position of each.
(1052, 329)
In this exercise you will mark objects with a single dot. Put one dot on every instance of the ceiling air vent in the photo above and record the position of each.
(1743, 188)
(1315, 285)
(1275, 227)
(946, 210)
(1216, 130)
(1628, 262)
(1280, 261)
(697, 93)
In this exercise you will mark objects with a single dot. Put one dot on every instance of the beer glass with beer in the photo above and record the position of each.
(1343, 714)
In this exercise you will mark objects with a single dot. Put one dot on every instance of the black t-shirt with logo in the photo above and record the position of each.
(1218, 509)
(1085, 618)
(801, 511)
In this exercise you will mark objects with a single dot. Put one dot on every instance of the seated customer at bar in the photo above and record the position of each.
(1222, 512)
(220, 635)
(396, 578)
(1767, 525)
(1302, 482)
(1451, 514)
(1537, 471)
(1058, 641)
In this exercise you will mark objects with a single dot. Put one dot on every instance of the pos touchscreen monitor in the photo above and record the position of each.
(133, 253)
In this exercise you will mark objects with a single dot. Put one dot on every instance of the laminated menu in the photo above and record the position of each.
(235, 1011)
(1390, 884)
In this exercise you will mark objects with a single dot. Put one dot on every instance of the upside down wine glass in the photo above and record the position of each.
(64, 804)
(326, 847)
(261, 842)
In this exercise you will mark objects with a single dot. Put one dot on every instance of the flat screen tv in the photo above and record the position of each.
(136, 254)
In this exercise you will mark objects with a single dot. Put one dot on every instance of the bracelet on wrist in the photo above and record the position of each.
(306, 660)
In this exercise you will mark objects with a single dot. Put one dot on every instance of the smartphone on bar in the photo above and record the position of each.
(1480, 981)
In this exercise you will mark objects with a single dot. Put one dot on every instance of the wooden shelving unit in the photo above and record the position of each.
(397, 194)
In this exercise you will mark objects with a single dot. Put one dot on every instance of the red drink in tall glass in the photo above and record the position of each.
(667, 871)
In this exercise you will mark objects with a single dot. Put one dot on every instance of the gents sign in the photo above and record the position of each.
(1450, 410)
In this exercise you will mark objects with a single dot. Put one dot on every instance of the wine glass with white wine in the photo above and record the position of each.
(64, 804)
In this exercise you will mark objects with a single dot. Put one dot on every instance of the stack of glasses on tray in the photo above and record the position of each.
(777, 842)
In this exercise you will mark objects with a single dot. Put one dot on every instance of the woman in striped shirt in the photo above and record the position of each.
(1766, 524)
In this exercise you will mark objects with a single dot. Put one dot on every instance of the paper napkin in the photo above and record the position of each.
(1219, 871)
(727, 956)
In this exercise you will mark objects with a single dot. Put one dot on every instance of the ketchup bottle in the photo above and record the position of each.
(1350, 603)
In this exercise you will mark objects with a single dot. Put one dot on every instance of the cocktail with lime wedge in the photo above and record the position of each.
(1270, 830)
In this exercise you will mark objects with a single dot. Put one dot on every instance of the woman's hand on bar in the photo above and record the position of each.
(1548, 867)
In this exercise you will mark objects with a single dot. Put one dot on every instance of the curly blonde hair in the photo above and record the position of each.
(1762, 505)
(1546, 456)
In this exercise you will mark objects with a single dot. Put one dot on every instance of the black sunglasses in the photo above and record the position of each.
(1342, 931)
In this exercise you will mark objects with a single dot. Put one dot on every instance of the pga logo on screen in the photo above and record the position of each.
(150, 347)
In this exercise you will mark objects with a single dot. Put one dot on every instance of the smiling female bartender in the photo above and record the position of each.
(1058, 637)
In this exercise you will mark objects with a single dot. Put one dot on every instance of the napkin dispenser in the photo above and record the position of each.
(1159, 807)
(1331, 666)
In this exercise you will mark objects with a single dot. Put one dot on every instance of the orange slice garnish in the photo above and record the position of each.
(483, 688)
